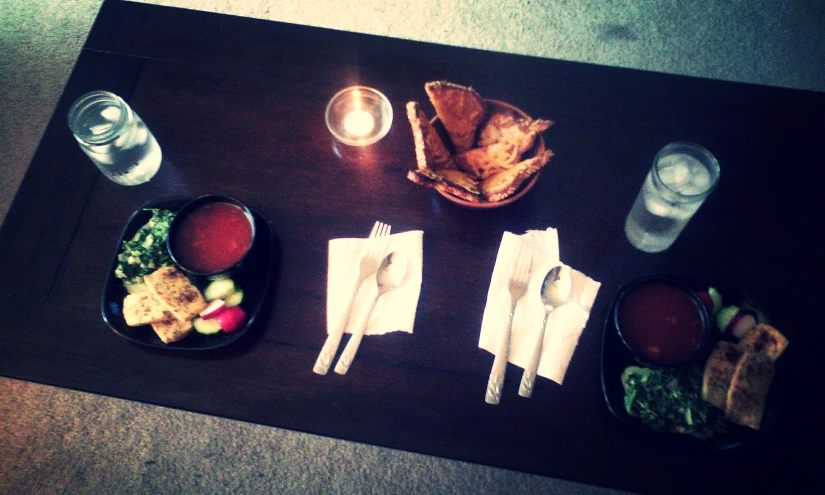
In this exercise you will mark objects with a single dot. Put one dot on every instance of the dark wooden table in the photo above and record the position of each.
(237, 105)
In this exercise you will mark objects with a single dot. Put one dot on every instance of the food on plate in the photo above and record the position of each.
(765, 339)
(212, 237)
(483, 157)
(460, 109)
(225, 314)
(205, 326)
(668, 400)
(176, 292)
(738, 375)
(749, 389)
(231, 318)
(142, 308)
(171, 329)
(168, 303)
(735, 320)
(719, 369)
(220, 288)
(146, 251)
(213, 308)
(234, 298)
(174, 306)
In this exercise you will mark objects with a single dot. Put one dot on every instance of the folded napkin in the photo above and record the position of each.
(565, 323)
(395, 310)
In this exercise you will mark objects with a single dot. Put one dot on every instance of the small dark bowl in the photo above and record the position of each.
(697, 353)
(184, 211)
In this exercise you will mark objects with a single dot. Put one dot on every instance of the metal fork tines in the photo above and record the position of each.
(372, 253)
(517, 286)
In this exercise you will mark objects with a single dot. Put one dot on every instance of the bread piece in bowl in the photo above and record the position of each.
(504, 183)
(503, 125)
(430, 151)
(461, 110)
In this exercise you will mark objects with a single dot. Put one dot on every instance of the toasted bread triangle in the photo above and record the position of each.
(430, 150)
(504, 183)
(461, 109)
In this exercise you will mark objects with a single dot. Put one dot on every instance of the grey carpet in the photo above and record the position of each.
(58, 441)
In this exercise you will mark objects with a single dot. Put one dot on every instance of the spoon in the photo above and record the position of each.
(389, 276)
(555, 290)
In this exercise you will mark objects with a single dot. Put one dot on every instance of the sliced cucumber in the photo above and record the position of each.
(219, 289)
(206, 327)
(234, 299)
(135, 287)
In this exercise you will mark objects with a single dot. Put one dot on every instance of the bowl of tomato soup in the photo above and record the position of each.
(211, 235)
(661, 321)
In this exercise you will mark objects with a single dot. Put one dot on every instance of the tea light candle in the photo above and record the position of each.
(359, 116)
(359, 123)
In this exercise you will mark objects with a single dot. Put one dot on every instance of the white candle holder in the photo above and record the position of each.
(359, 116)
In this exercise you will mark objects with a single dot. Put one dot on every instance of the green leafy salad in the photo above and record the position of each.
(670, 401)
(146, 251)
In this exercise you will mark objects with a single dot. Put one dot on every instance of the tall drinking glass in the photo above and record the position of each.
(682, 176)
(115, 138)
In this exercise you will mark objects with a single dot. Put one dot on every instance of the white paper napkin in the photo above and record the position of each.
(395, 310)
(565, 323)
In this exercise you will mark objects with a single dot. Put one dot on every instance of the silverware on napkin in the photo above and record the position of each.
(517, 286)
(372, 254)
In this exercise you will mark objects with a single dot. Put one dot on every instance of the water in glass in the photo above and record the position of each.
(115, 138)
(673, 190)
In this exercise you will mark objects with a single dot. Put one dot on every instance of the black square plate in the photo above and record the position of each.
(253, 277)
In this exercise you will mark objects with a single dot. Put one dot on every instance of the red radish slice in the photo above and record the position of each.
(707, 300)
(742, 323)
(213, 309)
(735, 320)
(231, 318)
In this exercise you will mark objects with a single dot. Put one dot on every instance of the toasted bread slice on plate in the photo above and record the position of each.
(765, 339)
(749, 389)
(461, 110)
(142, 308)
(719, 370)
(177, 293)
(170, 329)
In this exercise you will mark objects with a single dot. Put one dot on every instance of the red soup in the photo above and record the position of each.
(660, 322)
(212, 237)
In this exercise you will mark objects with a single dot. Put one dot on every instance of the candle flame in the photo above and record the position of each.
(359, 122)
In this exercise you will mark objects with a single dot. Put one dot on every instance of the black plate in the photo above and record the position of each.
(616, 357)
(252, 277)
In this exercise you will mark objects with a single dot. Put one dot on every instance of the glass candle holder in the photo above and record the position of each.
(359, 116)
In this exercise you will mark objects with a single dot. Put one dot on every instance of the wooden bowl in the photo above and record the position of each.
(538, 147)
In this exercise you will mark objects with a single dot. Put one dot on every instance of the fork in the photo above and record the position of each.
(372, 253)
(517, 286)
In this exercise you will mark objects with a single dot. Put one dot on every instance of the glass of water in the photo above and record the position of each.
(682, 176)
(115, 138)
